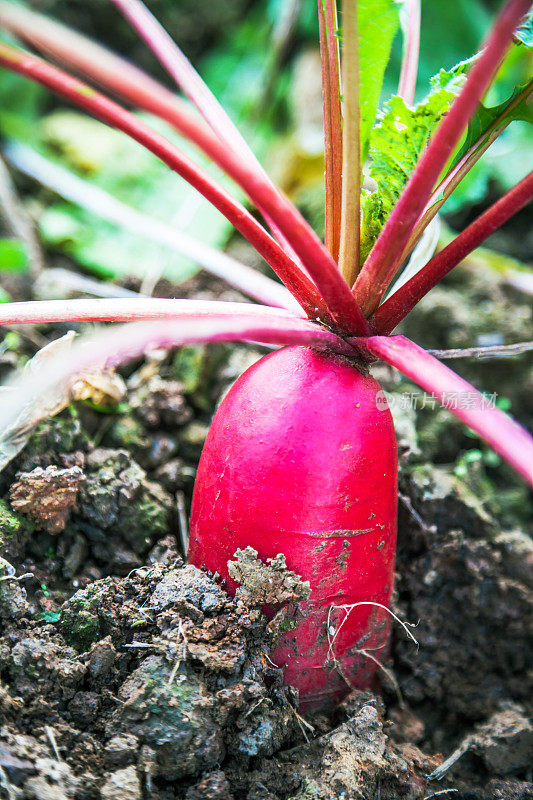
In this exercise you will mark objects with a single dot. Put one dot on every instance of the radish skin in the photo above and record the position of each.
(301, 459)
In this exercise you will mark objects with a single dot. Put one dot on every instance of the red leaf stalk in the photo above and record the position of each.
(332, 123)
(502, 433)
(113, 114)
(393, 310)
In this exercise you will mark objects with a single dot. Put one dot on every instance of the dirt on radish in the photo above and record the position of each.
(127, 674)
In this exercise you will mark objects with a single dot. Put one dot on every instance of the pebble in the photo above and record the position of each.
(122, 785)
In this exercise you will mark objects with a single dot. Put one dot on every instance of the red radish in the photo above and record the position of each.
(301, 459)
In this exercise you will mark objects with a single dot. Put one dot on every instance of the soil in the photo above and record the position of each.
(126, 673)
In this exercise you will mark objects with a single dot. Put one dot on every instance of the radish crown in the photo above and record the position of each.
(419, 155)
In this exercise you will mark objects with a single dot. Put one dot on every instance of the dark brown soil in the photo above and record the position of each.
(127, 674)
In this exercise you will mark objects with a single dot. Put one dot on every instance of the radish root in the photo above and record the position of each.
(333, 633)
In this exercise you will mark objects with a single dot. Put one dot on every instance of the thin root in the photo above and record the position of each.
(302, 722)
(50, 735)
(349, 608)
(181, 656)
(388, 672)
(17, 577)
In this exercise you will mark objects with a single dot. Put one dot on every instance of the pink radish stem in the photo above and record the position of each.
(350, 233)
(111, 113)
(125, 310)
(393, 310)
(504, 435)
(409, 69)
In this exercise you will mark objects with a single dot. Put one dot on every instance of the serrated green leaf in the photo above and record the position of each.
(396, 143)
(518, 106)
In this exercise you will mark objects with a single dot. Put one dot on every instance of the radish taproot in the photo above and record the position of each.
(301, 459)
(301, 456)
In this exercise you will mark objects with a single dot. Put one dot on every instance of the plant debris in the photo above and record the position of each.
(47, 495)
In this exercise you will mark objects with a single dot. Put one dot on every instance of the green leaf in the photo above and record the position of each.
(517, 107)
(4, 296)
(506, 162)
(13, 256)
(51, 616)
(396, 143)
(378, 21)
(524, 34)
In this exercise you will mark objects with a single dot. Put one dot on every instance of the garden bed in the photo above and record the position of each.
(128, 674)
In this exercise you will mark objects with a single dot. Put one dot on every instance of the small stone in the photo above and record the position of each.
(16, 769)
(13, 604)
(160, 403)
(75, 556)
(505, 742)
(189, 584)
(121, 750)
(123, 561)
(102, 658)
(212, 787)
(165, 552)
(175, 474)
(122, 785)
(161, 450)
